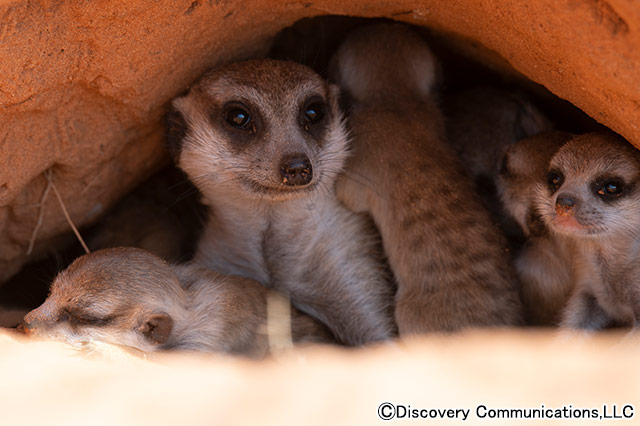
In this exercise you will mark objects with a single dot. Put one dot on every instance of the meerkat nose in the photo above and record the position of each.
(564, 204)
(296, 170)
(26, 327)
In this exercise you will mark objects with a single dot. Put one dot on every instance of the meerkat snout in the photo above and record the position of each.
(565, 203)
(296, 170)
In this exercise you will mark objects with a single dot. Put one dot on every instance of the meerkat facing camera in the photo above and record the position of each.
(544, 262)
(131, 297)
(264, 140)
(447, 257)
(592, 198)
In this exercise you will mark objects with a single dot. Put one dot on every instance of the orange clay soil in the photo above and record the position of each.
(83, 85)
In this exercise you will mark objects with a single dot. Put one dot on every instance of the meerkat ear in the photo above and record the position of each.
(157, 328)
(176, 131)
(529, 121)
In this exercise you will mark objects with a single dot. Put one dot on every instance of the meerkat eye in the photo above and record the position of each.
(314, 112)
(610, 189)
(238, 118)
(77, 318)
(555, 179)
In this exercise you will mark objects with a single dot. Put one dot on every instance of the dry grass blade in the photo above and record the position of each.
(278, 322)
(49, 175)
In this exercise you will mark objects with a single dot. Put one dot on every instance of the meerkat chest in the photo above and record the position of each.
(272, 245)
(312, 240)
(619, 279)
(295, 236)
(233, 244)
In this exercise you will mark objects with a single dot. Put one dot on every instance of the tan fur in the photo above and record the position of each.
(296, 239)
(544, 263)
(448, 259)
(605, 229)
(111, 295)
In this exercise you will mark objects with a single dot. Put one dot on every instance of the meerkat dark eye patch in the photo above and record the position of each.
(555, 180)
(176, 131)
(238, 118)
(504, 166)
(76, 317)
(609, 189)
(313, 115)
(314, 112)
(239, 121)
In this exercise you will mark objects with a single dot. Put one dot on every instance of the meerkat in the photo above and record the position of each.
(129, 296)
(263, 141)
(483, 121)
(449, 260)
(592, 198)
(544, 262)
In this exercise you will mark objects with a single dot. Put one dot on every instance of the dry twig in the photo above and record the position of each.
(50, 185)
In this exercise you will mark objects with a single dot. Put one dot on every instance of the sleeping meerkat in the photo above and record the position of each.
(592, 198)
(544, 263)
(448, 259)
(131, 297)
(263, 140)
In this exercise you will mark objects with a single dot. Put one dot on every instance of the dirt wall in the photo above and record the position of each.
(84, 85)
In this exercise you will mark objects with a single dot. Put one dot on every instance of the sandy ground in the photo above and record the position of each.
(475, 373)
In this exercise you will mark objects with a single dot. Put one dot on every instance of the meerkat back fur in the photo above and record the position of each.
(447, 257)
(264, 140)
(592, 198)
(130, 297)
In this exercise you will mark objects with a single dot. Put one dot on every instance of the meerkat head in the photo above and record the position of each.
(484, 120)
(384, 61)
(270, 128)
(524, 167)
(592, 188)
(124, 296)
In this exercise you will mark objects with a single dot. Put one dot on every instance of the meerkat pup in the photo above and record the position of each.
(483, 121)
(449, 261)
(592, 198)
(544, 262)
(263, 140)
(131, 297)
